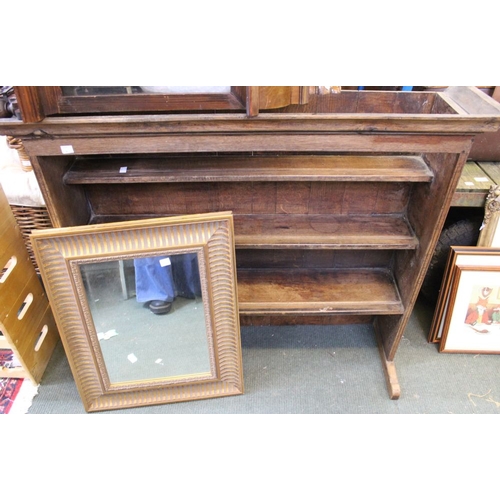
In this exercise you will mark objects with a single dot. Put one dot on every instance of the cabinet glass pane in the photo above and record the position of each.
(123, 90)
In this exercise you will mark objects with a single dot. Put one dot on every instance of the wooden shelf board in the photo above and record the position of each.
(285, 231)
(334, 291)
(251, 168)
(323, 232)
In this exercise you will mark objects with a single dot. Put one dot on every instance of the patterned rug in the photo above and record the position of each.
(16, 394)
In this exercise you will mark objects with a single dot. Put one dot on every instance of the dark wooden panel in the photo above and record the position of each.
(315, 259)
(293, 197)
(243, 198)
(66, 205)
(375, 198)
(393, 198)
(327, 197)
(367, 102)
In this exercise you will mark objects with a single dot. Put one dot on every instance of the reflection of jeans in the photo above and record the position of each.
(180, 277)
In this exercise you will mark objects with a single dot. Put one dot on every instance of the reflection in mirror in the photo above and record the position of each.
(149, 318)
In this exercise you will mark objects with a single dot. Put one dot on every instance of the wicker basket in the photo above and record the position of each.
(29, 218)
(18, 145)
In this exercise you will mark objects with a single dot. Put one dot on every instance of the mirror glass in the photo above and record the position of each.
(149, 317)
(136, 89)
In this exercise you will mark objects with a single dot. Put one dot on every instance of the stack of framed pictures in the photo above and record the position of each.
(467, 315)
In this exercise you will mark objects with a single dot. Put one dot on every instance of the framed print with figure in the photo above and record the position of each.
(467, 319)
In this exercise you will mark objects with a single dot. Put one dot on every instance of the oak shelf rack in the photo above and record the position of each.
(338, 200)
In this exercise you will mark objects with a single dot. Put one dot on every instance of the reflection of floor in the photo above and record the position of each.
(145, 345)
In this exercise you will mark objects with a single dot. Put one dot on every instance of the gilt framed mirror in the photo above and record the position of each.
(147, 310)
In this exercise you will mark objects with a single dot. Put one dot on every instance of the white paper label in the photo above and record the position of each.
(107, 335)
(165, 262)
(469, 183)
(123, 170)
(481, 179)
(67, 150)
(132, 358)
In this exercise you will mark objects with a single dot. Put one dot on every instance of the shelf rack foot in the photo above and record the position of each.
(391, 376)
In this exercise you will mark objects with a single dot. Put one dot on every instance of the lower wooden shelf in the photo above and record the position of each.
(325, 291)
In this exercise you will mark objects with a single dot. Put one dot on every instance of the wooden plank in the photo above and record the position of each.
(323, 232)
(492, 170)
(245, 142)
(468, 199)
(250, 168)
(299, 291)
(473, 100)
(472, 187)
(473, 179)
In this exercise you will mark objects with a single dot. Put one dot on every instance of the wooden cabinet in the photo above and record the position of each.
(338, 202)
(36, 103)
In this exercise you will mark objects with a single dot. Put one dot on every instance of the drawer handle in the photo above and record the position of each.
(41, 337)
(25, 306)
(8, 268)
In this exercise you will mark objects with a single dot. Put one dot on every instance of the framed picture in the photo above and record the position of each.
(467, 318)
(147, 310)
(436, 330)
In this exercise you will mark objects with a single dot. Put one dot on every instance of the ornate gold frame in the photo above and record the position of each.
(58, 253)
(487, 235)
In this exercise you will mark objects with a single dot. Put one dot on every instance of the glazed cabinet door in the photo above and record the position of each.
(36, 103)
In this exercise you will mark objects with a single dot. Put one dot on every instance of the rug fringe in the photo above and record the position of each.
(24, 398)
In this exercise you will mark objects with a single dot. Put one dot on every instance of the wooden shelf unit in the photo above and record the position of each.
(337, 205)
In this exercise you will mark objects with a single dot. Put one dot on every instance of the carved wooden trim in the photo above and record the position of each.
(30, 104)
